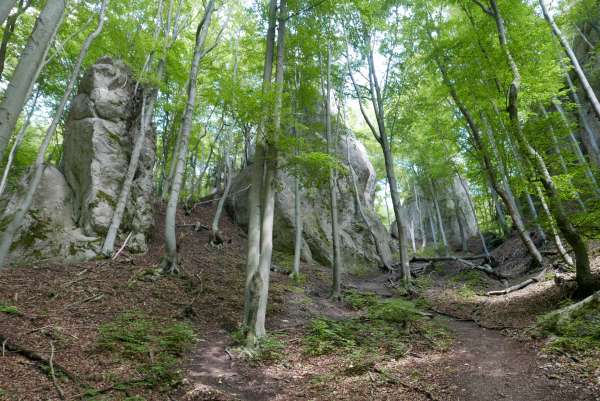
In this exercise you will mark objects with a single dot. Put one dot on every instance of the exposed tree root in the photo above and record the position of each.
(33, 356)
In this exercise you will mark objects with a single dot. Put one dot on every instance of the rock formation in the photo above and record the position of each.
(73, 206)
(454, 205)
(358, 250)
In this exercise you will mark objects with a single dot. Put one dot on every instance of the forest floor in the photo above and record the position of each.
(116, 330)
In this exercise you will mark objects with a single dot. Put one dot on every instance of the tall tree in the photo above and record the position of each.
(30, 64)
(170, 262)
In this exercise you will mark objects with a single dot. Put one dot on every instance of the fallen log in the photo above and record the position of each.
(565, 313)
(487, 258)
(519, 286)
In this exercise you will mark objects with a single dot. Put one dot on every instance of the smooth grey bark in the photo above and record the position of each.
(149, 97)
(594, 149)
(170, 262)
(432, 227)
(587, 88)
(257, 279)
(557, 241)
(9, 30)
(39, 167)
(576, 149)
(381, 135)
(28, 69)
(297, 228)
(420, 215)
(5, 7)
(584, 278)
(488, 167)
(336, 288)
(216, 235)
(474, 212)
(17, 142)
(439, 217)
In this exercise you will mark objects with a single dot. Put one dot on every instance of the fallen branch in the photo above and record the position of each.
(122, 246)
(396, 380)
(53, 374)
(488, 258)
(520, 285)
(35, 357)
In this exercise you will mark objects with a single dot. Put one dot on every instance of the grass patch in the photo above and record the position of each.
(470, 283)
(151, 346)
(359, 300)
(389, 328)
(10, 310)
(268, 349)
(579, 333)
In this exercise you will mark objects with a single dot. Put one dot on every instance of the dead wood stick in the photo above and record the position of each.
(396, 380)
(53, 374)
(35, 357)
(92, 298)
(520, 285)
(122, 246)
(450, 258)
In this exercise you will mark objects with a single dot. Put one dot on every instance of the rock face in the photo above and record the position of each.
(455, 211)
(72, 208)
(99, 137)
(358, 249)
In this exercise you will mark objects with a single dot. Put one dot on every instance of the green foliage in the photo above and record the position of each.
(10, 310)
(579, 333)
(470, 283)
(153, 347)
(359, 300)
(388, 329)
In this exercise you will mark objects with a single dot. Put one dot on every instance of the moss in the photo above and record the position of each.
(579, 333)
(38, 231)
(102, 196)
(359, 300)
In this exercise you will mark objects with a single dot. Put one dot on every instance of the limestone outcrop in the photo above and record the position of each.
(457, 216)
(73, 206)
(358, 249)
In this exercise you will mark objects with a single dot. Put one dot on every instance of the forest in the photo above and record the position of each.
(255, 200)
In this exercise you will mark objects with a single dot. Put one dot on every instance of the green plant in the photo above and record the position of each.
(10, 310)
(395, 311)
(152, 346)
(359, 300)
(579, 332)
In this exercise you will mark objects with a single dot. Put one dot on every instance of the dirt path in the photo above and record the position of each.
(481, 365)
(484, 365)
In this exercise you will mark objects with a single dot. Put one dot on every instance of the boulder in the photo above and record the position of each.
(357, 247)
(73, 207)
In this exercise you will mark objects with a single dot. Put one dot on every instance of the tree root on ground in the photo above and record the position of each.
(393, 379)
(41, 362)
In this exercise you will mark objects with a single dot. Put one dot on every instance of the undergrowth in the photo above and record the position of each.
(10, 310)
(152, 347)
(268, 349)
(579, 333)
(388, 329)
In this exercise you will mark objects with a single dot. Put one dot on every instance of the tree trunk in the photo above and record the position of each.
(474, 212)
(557, 241)
(488, 167)
(260, 250)
(331, 147)
(14, 225)
(439, 218)
(589, 91)
(216, 235)
(30, 64)
(9, 30)
(594, 149)
(432, 227)
(170, 262)
(17, 142)
(584, 277)
(575, 144)
(420, 215)
(5, 7)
